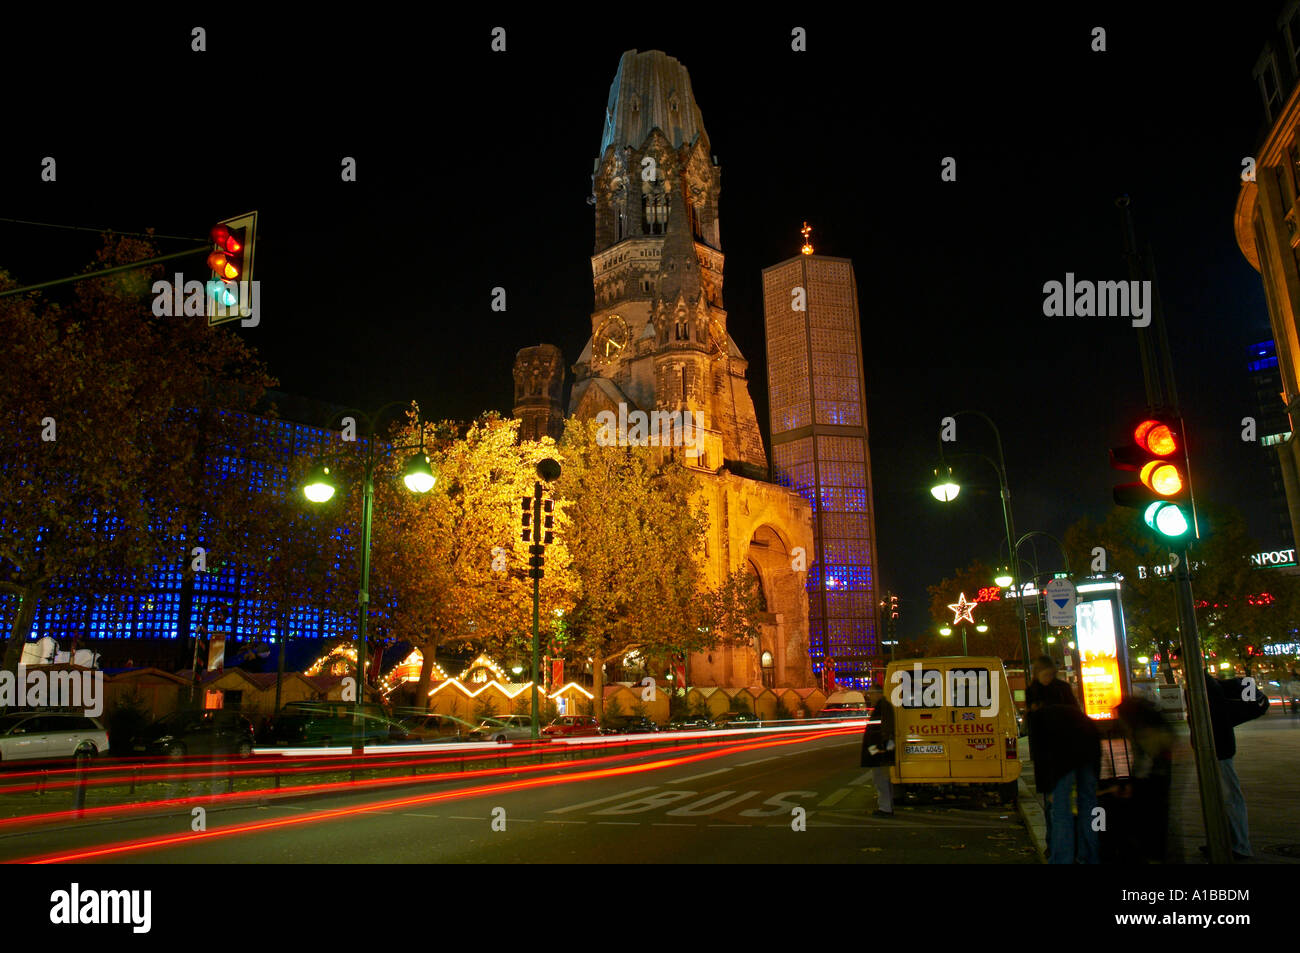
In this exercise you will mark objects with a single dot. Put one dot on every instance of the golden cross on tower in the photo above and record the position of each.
(807, 245)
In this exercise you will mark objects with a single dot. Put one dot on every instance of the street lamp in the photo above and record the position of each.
(1003, 578)
(319, 487)
(945, 489)
(1008, 523)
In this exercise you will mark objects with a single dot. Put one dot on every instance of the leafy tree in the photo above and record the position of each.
(453, 559)
(104, 411)
(635, 536)
(485, 706)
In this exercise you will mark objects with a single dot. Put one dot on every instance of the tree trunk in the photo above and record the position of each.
(279, 665)
(427, 652)
(21, 628)
(598, 690)
(1167, 662)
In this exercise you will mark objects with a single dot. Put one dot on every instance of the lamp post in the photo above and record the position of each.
(947, 491)
(319, 487)
(1005, 581)
(947, 631)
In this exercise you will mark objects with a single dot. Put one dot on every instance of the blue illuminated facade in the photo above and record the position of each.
(142, 623)
(820, 450)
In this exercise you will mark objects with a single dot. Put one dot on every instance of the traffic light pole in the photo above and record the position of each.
(537, 522)
(1207, 765)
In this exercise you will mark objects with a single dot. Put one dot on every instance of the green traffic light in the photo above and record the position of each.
(1167, 519)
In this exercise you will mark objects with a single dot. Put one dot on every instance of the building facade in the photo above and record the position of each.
(1267, 226)
(153, 622)
(659, 343)
(1273, 429)
(817, 395)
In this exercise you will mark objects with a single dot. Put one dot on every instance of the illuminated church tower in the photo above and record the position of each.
(659, 342)
(659, 330)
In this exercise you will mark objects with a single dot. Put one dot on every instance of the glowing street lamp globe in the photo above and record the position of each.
(945, 631)
(319, 487)
(419, 475)
(1003, 578)
(944, 490)
(982, 627)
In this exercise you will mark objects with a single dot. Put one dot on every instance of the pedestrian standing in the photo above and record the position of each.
(878, 755)
(1232, 703)
(1067, 761)
(1045, 689)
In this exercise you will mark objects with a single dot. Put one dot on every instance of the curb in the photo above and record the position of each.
(1035, 821)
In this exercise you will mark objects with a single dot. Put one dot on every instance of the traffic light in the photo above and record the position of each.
(1163, 491)
(230, 264)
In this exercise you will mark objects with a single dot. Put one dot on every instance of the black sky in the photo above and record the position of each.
(474, 168)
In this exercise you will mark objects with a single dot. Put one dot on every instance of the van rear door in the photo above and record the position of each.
(974, 718)
(921, 748)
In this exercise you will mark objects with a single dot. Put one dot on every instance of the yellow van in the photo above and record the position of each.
(954, 723)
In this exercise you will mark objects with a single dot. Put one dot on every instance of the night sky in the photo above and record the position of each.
(474, 169)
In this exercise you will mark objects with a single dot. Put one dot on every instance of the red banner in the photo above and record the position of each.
(557, 674)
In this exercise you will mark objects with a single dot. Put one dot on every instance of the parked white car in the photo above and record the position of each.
(30, 735)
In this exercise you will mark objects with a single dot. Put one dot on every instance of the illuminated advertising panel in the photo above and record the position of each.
(1098, 648)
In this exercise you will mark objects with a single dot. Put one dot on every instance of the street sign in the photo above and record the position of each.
(1061, 597)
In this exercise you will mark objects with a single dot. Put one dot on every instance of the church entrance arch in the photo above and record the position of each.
(780, 659)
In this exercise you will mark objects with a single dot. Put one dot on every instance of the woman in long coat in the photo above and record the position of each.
(878, 754)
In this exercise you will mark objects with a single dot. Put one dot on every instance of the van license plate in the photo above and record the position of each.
(924, 749)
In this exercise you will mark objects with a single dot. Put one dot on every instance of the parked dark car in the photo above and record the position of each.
(325, 724)
(202, 733)
(432, 727)
(690, 723)
(736, 719)
(630, 725)
(845, 704)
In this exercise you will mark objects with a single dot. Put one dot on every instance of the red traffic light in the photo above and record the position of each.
(1156, 437)
(226, 240)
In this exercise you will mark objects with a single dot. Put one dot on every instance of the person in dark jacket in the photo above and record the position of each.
(878, 755)
(1068, 759)
(1146, 793)
(1045, 689)
(1232, 703)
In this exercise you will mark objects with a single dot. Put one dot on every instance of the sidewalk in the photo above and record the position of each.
(1267, 751)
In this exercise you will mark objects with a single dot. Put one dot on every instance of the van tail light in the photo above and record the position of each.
(1011, 749)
